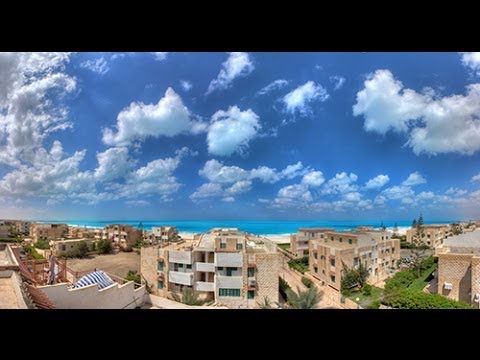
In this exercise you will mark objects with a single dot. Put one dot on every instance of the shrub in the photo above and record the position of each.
(367, 289)
(307, 282)
(80, 251)
(42, 244)
(374, 304)
(412, 299)
(32, 252)
(301, 264)
(132, 275)
(104, 246)
(400, 280)
(283, 286)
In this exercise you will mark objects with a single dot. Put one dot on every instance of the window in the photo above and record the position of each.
(315, 269)
(239, 246)
(64, 248)
(305, 252)
(332, 262)
(364, 256)
(350, 241)
(220, 268)
(229, 292)
(393, 250)
(160, 285)
(180, 266)
(160, 265)
(189, 266)
(355, 261)
(332, 278)
(223, 245)
(323, 271)
(322, 257)
(251, 294)
(332, 238)
(315, 255)
(251, 272)
(341, 240)
(230, 270)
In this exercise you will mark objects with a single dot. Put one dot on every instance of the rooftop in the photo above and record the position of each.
(467, 240)
(315, 229)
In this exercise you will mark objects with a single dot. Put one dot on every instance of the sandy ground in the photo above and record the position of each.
(117, 264)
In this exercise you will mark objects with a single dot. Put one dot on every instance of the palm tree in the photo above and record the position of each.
(304, 299)
(189, 297)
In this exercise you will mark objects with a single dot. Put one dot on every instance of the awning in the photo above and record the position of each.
(97, 277)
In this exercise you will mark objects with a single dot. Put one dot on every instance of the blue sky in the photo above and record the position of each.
(171, 136)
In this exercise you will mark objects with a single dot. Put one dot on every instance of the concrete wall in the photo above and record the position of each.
(180, 257)
(113, 297)
(228, 259)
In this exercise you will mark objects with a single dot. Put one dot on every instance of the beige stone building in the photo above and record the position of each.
(61, 247)
(375, 249)
(80, 232)
(227, 265)
(160, 234)
(44, 231)
(22, 226)
(431, 235)
(299, 241)
(459, 267)
(122, 235)
(4, 231)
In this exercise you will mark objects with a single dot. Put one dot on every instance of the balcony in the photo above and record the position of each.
(204, 286)
(180, 278)
(252, 283)
(180, 257)
(229, 282)
(205, 267)
(229, 259)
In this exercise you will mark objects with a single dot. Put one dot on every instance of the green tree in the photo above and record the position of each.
(383, 227)
(42, 244)
(414, 223)
(420, 220)
(266, 304)
(81, 249)
(456, 229)
(133, 275)
(395, 228)
(104, 246)
(308, 299)
(352, 277)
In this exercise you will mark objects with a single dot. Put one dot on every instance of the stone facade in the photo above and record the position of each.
(375, 249)
(299, 241)
(43, 231)
(431, 235)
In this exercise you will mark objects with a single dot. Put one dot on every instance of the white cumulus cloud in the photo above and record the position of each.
(472, 61)
(433, 124)
(238, 64)
(231, 131)
(414, 179)
(299, 98)
(476, 178)
(377, 182)
(313, 178)
(341, 183)
(113, 163)
(160, 56)
(456, 191)
(169, 117)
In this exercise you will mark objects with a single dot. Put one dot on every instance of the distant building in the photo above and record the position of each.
(162, 234)
(62, 247)
(5, 231)
(122, 235)
(79, 232)
(459, 267)
(299, 241)
(45, 231)
(22, 226)
(227, 265)
(375, 249)
(431, 235)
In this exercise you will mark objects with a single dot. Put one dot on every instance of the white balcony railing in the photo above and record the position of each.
(205, 267)
(180, 278)
(204, 286)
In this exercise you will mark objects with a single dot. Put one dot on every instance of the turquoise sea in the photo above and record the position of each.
(255, 227)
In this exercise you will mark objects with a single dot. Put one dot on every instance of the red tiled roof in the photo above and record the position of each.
(39, 298)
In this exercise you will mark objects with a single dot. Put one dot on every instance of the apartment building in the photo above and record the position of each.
(299, 241)
(79, 232)
(44, 231)
(22, 226)
(227, 265)
(122, 235)
(162, 234)
(375, 249)
(459, 267)
(431, 235)
(61, 247)
(4, 231)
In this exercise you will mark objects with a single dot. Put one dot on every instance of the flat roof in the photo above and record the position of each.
(470, 240)
(8, 296)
